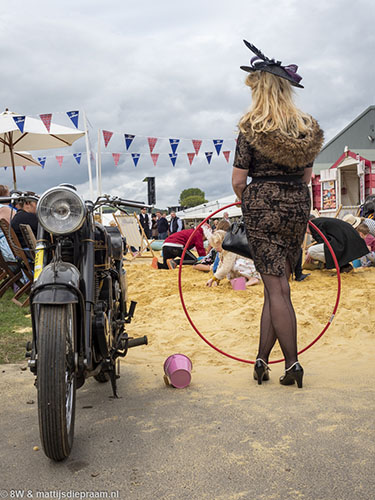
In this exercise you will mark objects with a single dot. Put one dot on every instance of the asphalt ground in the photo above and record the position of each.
(223, 437)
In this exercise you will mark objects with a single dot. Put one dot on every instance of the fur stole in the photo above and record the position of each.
(286, 150)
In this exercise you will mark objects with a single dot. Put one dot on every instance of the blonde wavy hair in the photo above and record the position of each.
(217, 238)
(273, 107)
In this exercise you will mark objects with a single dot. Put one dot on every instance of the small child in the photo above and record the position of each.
(364, 232)
(231, 265)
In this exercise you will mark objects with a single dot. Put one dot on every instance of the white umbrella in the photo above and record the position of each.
(21, 159)
(23, 132)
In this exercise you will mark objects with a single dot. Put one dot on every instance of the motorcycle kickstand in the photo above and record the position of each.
(112, 375)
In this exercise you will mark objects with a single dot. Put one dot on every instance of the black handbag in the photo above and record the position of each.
(236, 240)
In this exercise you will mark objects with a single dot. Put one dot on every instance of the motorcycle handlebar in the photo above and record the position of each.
(114, 200)
(15, 197)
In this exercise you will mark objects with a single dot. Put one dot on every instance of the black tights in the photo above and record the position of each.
(278, 319)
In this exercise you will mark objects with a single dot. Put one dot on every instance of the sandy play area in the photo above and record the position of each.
(229, 319)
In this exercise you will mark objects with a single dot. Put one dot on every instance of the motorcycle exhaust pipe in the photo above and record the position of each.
(137, 341)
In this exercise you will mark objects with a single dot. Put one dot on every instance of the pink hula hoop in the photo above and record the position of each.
(249, 360)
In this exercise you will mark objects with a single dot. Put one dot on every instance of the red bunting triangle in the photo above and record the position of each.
(191, 157)
(107, 137)
(116, 158)
(60, 159)
(197, 145)
(151, 142)
(226, 154)
(24, 167)
(155, 157)
(46, 119)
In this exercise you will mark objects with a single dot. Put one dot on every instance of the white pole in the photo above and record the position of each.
(99, 167)
(88, 153)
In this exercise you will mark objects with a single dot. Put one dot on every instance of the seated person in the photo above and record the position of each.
(231, 265)
(355, 221)
(174, 245)
(344, 239)
(26, 214)
(205, 264)
(364, 232)
(5, 213)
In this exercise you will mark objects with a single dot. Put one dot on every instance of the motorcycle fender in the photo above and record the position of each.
(58, 283)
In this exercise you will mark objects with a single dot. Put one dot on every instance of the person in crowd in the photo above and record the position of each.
(231, 265)
(355, 221)
(175, 224)
(173, 248)
(26, 214)
(226, 217)
(162, 225)
(207, 263)
(364, 233)
(344, 240)
(5, 213)
(145, 221)
(276, 147)
(154, 227)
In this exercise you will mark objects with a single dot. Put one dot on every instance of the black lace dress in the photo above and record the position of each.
(275, 212)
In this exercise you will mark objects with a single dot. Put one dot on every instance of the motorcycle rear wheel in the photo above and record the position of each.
(56, 380)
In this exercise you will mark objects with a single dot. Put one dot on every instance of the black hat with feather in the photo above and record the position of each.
(262, 63)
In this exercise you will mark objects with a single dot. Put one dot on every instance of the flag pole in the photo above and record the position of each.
(88, 153)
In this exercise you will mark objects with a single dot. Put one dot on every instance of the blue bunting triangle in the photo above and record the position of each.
(20, 122)
(209, 156)
(73, 115)
(174, 144)
(218, 143)
(173, 158)
(42, 160)
(136, 157)
(128, 140)
(77, 157)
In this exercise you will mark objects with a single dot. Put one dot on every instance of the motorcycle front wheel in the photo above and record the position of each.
(56, 380)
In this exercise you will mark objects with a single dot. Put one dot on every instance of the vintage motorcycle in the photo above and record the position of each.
(79, 308)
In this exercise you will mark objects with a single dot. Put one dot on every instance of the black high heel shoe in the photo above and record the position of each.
(261, 371)
(293, 374)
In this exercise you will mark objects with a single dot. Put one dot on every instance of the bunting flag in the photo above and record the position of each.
(24, 167)
(191, 157)
(155, 157)
(107, 137)
(116, 158)
(218, 143)
(73, 115)
(77, 157)
(20, 122)
(209, 156)
(197, 145)
(42, 160)
(226, 154)
(5, 168)
(173, 158)
(128, 140)
(174, 144)
(60, 159)
(136, 157)
(151, 142)
(46, 119)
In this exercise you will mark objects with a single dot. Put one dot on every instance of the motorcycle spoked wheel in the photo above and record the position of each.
(56, 380)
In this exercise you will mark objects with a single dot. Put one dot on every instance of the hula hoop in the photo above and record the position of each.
(249, 361)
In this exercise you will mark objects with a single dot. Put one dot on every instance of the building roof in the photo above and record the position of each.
(358, 136)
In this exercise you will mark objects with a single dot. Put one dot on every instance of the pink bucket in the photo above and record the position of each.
(238, 283)
(178, 370)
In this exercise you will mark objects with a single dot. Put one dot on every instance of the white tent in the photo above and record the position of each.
(205, 209)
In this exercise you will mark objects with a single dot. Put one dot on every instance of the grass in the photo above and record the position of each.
(15, 330)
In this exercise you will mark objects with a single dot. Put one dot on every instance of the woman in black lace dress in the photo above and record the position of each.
(276, 147)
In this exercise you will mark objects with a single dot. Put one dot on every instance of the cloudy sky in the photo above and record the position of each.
(170, 69)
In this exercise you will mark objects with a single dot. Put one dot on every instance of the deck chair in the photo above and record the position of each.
(10, 274)
(29, 238)
(131, 229)
(22, 261)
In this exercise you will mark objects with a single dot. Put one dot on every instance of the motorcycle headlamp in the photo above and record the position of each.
(61, 210)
